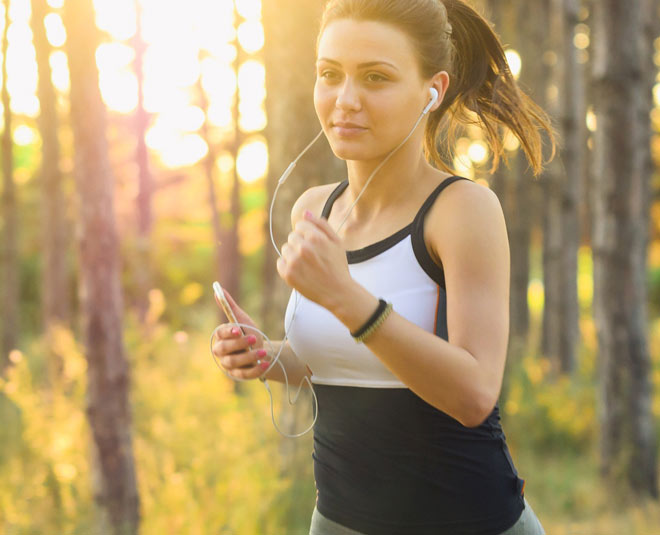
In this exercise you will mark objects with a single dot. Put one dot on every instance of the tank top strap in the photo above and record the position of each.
(417, 234)
(434, 195)
(333, 197)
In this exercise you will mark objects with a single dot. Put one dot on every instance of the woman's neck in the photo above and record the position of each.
(392, 185)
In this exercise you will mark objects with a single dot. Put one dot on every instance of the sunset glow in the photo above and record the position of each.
(187, 45)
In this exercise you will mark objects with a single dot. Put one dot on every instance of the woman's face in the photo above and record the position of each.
(368, 92)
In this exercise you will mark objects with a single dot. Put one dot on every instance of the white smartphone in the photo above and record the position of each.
(217, 289)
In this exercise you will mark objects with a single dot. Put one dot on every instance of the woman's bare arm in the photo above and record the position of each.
(295, 369)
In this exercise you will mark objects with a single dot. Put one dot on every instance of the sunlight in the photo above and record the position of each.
(511, 142)
(225, 162)
(251, 36)
(514, 61)
(119, 90)
(183, 150)
(111, 56)
(59, 65)
(24, 135)
(219, 115)
(181, 119)
(117, 17)
(252, 90)
(252, 160)
(55, 31)
(22, 65)
(478, 152)
(249, 9)
(172, 63)
(251, 81)
(160, 97)
(117, 82)
(218, 80)
(186, 44)
(251, 119)
(591, 120)
(19, 11)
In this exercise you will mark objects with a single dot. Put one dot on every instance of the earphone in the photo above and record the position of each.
(434, 97)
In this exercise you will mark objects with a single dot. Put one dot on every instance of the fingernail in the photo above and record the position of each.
(264, 365)
(235, 331)
(251, 339)
(261, 353)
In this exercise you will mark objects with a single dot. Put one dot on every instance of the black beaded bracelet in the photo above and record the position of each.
(382, 305)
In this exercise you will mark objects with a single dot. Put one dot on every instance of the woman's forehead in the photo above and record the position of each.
(353, 43)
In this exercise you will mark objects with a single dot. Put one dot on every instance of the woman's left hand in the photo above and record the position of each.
(314, 262)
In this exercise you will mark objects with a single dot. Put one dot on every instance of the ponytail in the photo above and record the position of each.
(482, 85)
(450, 35)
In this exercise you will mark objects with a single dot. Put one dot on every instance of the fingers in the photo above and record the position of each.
(229, 342)
(322, 224)
(246, 359)
(241, 356)
(227, 330)
(306, 231)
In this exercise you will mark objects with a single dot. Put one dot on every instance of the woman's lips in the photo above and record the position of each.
(348, 129)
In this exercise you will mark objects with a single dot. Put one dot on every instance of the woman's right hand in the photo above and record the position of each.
(236, 352)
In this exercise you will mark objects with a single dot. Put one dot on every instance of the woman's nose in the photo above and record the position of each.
(348, 96)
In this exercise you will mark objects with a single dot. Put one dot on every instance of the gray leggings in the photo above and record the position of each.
(527, 524)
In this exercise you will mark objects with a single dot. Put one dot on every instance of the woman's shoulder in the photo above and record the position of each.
(464, 208)
(312, 199)
(462, 198)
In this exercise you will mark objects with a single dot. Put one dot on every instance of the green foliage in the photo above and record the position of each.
(207, 458)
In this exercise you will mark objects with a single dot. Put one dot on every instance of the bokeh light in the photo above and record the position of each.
(189, 48)
(514, 61)
(252, 160)
(55, 32)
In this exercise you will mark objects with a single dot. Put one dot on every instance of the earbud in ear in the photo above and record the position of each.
(434, 96)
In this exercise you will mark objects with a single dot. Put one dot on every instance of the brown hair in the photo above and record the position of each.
(450, 35)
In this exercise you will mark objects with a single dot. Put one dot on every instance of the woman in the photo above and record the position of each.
(408, 438)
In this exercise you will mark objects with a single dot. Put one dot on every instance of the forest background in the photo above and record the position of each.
(142, 140)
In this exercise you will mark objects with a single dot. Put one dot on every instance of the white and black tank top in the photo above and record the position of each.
(385, 461)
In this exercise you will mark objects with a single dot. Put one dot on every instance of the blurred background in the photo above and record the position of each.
(142, 140)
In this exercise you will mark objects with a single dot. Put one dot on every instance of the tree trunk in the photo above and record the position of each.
(55, 295)
(533, 42)
(9, 251)
(619, 246)
(145, 182)
(561, 191)
(229, 253)
(572, 86)
(292, 123)
(108, 409)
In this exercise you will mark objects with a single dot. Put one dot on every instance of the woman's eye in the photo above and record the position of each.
(327, 75)
(373, 77)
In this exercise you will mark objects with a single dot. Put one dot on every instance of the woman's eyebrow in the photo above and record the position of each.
(361, 65)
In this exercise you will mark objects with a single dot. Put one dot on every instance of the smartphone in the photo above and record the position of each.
(217, 289)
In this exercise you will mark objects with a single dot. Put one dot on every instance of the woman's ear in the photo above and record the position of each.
(440, 82)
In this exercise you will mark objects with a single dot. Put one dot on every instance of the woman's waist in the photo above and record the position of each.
(377, 417)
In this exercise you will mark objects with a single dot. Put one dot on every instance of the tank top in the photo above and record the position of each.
(385, 461)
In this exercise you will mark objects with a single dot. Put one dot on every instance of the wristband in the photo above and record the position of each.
(377, 318)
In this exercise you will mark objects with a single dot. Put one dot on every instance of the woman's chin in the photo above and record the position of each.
(344, 152)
